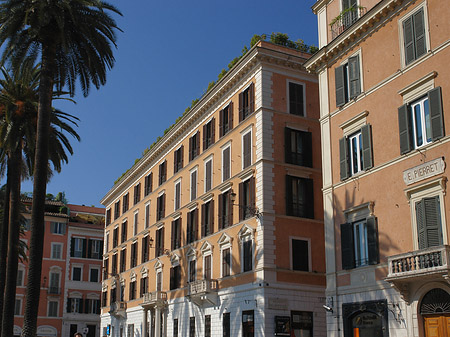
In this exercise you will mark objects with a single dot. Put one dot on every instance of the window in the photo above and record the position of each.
(191, 326)
(207, 273)
(113, 295)
(226, 163)
(246, 102)
(194, 146)
(421, 122)
(299, 197)
(114, 264)
(160, 207)
(226, 327)
(175, 277)
(302, 323)
(93, 306)
(207, 325)
(248, 323)
(414, 38)
(135, 223)
(75, 305)
(52, 309)
(429, 222)
(107, 242)
(126, 202)
(226, 119)
(137, 193)
(76, 273)
(132, 295)
(116, 210)
(19, 280)
(124, 231)
(246, 150)
(192, 226)
(247, 199)
(178, 159)
(54, 282)
(58, 228)
(56, 251)
(108, 217)
(359, 243)
(300, 254)
(226, 262)
(130, 332)
(175, 327)
(145, 249)
(348, 81)
(177, 201)
(105, 269)
(78, 247)
(123, 260)
(134, 254)
(208, 175)
(17, 307)
(147, 215)
(209, 133)
(121, 294)
(159, 280)
(159, 242)
(296, 99)
(104, 298)
(115, 237)
(247, 255)
(208, 218)
(176, 234)
(144, 286)
(193, 185)
(192, 270)
(162, 172)
(298, 147)
(93, 275)
(148, 184)
(225, 210)
(95, 249)
(355, 152)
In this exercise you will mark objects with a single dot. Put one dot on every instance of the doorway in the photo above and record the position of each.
(435, 310)
(437, 326)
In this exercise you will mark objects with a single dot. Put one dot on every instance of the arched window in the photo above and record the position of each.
(436, 301)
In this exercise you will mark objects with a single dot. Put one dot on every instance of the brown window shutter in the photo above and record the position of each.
(173, 236)
(182, 156)
(252, 192)
(191, 148)
(204, 138)
(221, 123)
(197, 145)
(241, 201)
(195, 224)
(251, 98)
(230, 211)
(230, 116)
(163, 205)
(213, 130)
(203, 220)
(220, 215)
(241, 107)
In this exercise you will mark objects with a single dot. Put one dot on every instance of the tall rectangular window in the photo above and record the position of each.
(162, 172)
(19, 280)
(55, 279)
(135, 223)
(94, 275)
(348, 81)
(225, 210)
(355, 152)
(247, 255)
(147, 215)
(207, 325)
(56, 251)
(247, 199)
(95, 248)
(226, 262)
(132, 294)
(175, 327)
(145, 249)
(144, 286)
(191, 326)
(193, 185)
(17, 307)
(178, 159)
(226, 326)
(52, 309)
(209, 134)
(194, 146)
(108, 217)
(123, 235)
(148, 184)
(246, 150)
(176, 234)
(159, 242)
(226, 119)
(248, 323)
(125, 202)
(76, 274)
(246, 102)
(414, 37)
(192, 226)
(296, 99)
(300, 255)
(114, 264)
(175, 277)
(134, 255)
(208, 175)
(429, 222)
(160, 207)
(208, 218)
(115, 237)
(137, 193)
(177, 201)
(226, 163)
(299, 197)
(116, 209)
(123, 260)
(78, 247)
(192, 270)
(298, 147)
(207, 272)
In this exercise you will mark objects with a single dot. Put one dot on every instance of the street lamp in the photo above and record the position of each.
(254, 211)
(164, 251)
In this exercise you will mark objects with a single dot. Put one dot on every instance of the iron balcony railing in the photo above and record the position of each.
(345, 19)
(202, 287)
(427, 261)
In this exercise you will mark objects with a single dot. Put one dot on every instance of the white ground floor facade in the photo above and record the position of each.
(251, 310)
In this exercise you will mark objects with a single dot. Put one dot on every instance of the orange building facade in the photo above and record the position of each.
(218, 229)
(71, 272)
(384, 85)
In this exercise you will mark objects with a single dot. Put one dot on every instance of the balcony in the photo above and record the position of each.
(203, 292)
(345, 19)
(155, 298)
(421, 265)
(53, 290)
(118, 309)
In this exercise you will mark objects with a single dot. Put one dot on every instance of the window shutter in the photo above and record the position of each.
(289, 210)
(354, 76)
(230, 116)
(343, 158)
(174, 237)
(197, 145)
(287, 145)
(404, 129)
(372, 240)
(432, 218)
(180, 225)
(63, 229)
(189, 228)
(348, 255)
(421, 227)
(230, 211)
(195, 225)
(366, 135)
(97, 310)
(436, 114)
(211, 216)
(162, 240)
(182, 156)
(86, 306)
(252, 192)
(221, 215)
(100, 257)
(241, 107)
(309, 196)
(175, 161)
(213, 130)
(52, 227)
(340, 85)
(69, 305)
(89, 248)
(408, 39)
(221, 133)
(84, 248)
(247, 149)
(419, 34)
(251, 98)
(163, 201)
(203, 220)
(241, 201)
(307, 149)
(158, 209)
(81, 306)
(191, 148)
(204, 138)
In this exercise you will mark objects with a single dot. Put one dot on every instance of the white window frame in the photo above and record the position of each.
(226, 146)
(77, 265)
(423, 124)
(135, 222)
(247, 234)
(20, 306)
(53, 249)
(55, 270)
(58, 227)
(147, 214)
(288, 108)
(106, 246)
(243, 134)
(48, 308)
(175, 200)
(191, 173)
(20, 269)
(75, 251)
(95, 243)
(291, 251)
(207, 160)
(357, 137)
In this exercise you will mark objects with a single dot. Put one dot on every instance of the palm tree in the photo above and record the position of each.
(73, 39)
(18, 116)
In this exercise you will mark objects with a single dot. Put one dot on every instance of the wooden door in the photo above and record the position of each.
(437, 326)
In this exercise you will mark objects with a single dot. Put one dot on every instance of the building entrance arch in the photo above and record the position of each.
(435, 310)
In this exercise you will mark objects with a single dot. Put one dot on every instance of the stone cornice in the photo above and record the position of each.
(319, 5)
(262, 52)
(351, 35)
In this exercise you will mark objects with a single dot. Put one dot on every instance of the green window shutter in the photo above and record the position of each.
(343, 158)
(404, 129)
(347, 246)
(421, 227)
(436, 113)
(354, 76)
(408, 39)
(366, 133)
(340, 85)
(433, 221)
(72, 247)
(372, 240)
(419, 34)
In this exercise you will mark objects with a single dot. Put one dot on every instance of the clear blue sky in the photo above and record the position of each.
(167, 54)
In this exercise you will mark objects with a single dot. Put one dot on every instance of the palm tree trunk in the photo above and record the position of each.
(48, 67)
(4, 244)
(14, 173)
